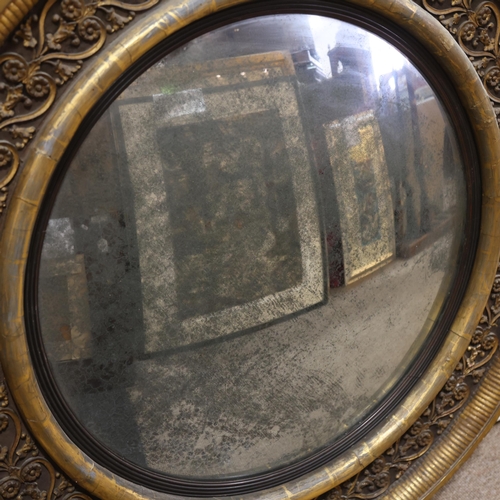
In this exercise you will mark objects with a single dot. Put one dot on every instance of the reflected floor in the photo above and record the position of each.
(258, 401)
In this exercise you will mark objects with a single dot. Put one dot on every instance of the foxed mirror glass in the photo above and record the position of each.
(252, 248)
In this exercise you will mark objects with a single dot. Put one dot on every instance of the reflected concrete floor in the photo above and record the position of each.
(252, 401)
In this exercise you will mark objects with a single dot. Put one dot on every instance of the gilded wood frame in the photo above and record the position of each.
(31, 157)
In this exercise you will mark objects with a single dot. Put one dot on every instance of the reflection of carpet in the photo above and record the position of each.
(478, 477)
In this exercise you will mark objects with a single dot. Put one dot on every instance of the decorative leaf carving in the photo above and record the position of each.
(25, 33)
(475, 26)
(25, 134)
(23, 470)
(31, 82)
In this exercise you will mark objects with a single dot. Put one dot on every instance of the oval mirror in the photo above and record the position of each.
(255, 252)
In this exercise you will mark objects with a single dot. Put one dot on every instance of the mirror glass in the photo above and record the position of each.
(251, 247)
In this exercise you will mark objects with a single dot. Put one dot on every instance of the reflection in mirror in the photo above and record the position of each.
(251, 247)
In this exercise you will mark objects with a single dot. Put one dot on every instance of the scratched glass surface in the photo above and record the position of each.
(251, 247)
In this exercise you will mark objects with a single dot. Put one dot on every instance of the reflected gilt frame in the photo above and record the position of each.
(362, 257)
(224, 105)
(438, 424)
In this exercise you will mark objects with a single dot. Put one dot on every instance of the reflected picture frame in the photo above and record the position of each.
(221, 99)
(359, 166)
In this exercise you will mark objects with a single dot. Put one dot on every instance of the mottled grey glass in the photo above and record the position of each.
(251, 247)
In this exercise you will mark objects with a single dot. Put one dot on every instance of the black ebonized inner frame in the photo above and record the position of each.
(435, 76)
